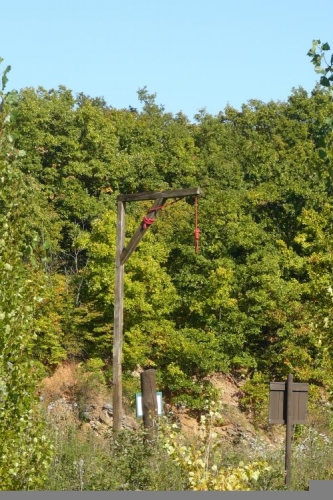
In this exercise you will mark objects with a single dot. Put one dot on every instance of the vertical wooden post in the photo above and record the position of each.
(289, 429)
(149, 403)
(118, 320)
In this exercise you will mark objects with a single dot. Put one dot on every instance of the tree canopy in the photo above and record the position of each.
(258, 296)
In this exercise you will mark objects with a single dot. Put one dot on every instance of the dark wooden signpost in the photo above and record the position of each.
(287, 405)
(149, 403)
(122, 255)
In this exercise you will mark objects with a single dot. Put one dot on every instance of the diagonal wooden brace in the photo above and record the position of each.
(139, 233)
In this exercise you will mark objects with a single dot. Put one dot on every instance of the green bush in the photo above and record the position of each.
(84, 461)
(255, 399)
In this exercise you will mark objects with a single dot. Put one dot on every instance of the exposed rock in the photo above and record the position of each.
(104, 418)
(130, 423)
(59, 395)
(109, 408)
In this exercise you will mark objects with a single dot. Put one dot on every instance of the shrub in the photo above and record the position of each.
(198, 461)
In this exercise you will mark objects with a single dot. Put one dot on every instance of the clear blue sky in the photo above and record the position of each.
(191, 53)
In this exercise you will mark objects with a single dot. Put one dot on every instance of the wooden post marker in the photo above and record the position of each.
(287, 405)
(289, 428)
(122, 255)
(149, 403)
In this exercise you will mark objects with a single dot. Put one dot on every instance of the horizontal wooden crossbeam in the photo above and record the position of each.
(153, 195)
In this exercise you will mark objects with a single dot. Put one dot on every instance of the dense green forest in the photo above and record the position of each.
(258, 295)
(256, 300)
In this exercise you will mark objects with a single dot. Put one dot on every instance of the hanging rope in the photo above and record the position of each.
(148, 221)
(196, 230)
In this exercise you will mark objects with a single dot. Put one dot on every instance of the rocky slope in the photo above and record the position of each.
(67, 399)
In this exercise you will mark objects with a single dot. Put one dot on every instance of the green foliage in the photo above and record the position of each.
(25, 452)
(249, 299)
(208, 461)
(201, 464)
(85, 462)
(318, 54)
(255, 398)
(258, 297)
(255, 298)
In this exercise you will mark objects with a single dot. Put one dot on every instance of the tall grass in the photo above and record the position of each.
(86, 461)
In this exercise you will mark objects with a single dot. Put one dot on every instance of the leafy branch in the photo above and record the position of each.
(318, 55)
(321, 66)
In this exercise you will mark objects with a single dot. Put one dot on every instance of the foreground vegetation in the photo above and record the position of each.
(83, 461)
(256, 301)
